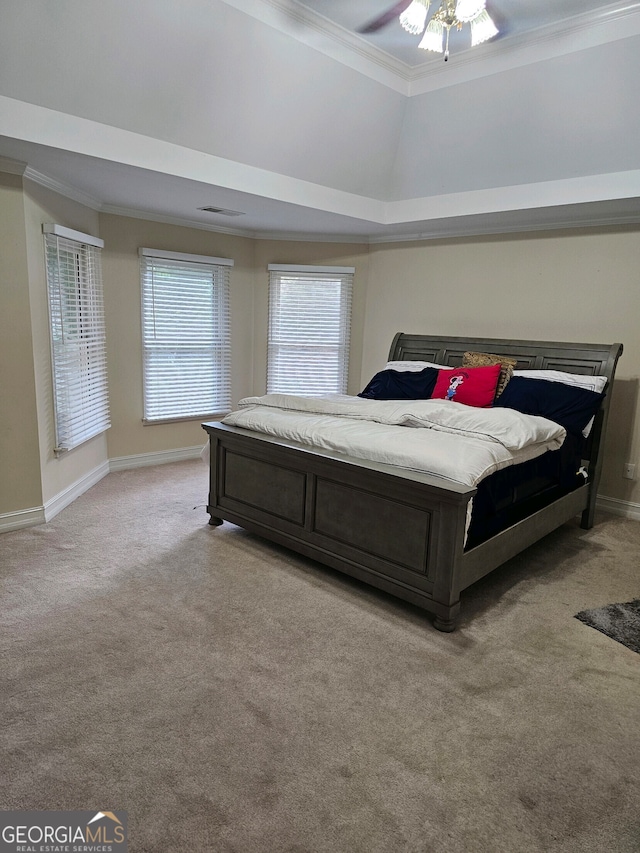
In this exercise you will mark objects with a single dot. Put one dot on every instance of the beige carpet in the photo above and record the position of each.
(231, 696)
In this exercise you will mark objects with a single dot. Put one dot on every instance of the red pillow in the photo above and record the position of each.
(474, 386)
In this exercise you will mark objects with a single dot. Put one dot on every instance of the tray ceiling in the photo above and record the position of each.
(321, 126)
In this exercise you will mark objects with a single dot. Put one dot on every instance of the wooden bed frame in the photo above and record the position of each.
(398, 530)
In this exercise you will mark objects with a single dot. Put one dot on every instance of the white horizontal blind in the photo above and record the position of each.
(78, 341)
(309, 330)
(186, 336)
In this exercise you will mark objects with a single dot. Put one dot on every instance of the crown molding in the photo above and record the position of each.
(460, 230)
(610, 23)
(581, 32)
(247, 233)
(62, 189)
(315, 31)
(150, 216)
(478, 225)
(299, 237)
(12, 167)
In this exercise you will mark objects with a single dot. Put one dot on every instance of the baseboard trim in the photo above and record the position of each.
(21, 518)
(41, 514)
(625, 509)
(161, 457)
(68, 495)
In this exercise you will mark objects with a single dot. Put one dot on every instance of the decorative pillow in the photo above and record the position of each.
(401, 385)
(567, 405)
(474, 386)
(580, 380)
(483, 359)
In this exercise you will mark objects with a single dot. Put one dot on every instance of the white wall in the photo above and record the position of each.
(568, 117)
(205, 76)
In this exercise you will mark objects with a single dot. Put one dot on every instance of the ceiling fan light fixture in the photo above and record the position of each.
(450, 14)
(482, 28)
(414, 17)
(433, 37)
(467, 10)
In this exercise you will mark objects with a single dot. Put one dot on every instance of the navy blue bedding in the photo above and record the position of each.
(513, 493)
(401, 385)
(569, 406)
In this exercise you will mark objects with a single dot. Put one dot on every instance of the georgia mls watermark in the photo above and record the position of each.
(63, 832)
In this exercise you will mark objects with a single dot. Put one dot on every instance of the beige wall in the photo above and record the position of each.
(20, 486)
(61, 472)
(123, 237)
(576, 286)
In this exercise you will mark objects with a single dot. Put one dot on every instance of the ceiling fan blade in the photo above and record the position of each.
(394, 12)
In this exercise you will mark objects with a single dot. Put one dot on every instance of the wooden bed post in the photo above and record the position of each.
(447, 575)
(596, 441)
(214, 520)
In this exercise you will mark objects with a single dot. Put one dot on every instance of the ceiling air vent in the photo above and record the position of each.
(222, 211)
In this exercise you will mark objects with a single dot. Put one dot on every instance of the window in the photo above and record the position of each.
(309, 329)
(186, 333)
(78, 343)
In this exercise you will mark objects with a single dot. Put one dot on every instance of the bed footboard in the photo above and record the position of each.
(403, 533)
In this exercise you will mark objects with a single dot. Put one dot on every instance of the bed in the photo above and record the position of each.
(421, 537)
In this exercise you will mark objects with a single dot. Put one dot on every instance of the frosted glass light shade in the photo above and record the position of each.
(414, 17)
(467, 10)
(432, 39)
(482, 28)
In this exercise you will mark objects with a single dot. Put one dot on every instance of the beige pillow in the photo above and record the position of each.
(485, 359)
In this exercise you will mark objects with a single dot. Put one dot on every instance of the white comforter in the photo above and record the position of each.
(439, 437)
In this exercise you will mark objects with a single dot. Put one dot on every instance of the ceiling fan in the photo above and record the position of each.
(450, 14)
(382, 20)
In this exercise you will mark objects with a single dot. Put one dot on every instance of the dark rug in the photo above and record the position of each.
(621, 622)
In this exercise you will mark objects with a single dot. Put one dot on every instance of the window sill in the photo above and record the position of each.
(178, 420)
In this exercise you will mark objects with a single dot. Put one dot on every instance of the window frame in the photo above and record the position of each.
(77, 332)
(219, 350)
(282, 343)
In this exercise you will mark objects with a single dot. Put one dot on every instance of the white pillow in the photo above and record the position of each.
(590, 383)
(414, 365)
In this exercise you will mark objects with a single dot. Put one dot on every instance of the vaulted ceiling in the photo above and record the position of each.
(279, 111)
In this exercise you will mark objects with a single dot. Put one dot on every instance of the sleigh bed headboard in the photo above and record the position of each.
(586, 359)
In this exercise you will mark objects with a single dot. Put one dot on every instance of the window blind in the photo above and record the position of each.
(309, 329)
(186, 330)
(78, 340)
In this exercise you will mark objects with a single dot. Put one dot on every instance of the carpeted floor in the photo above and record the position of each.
(235, 698)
